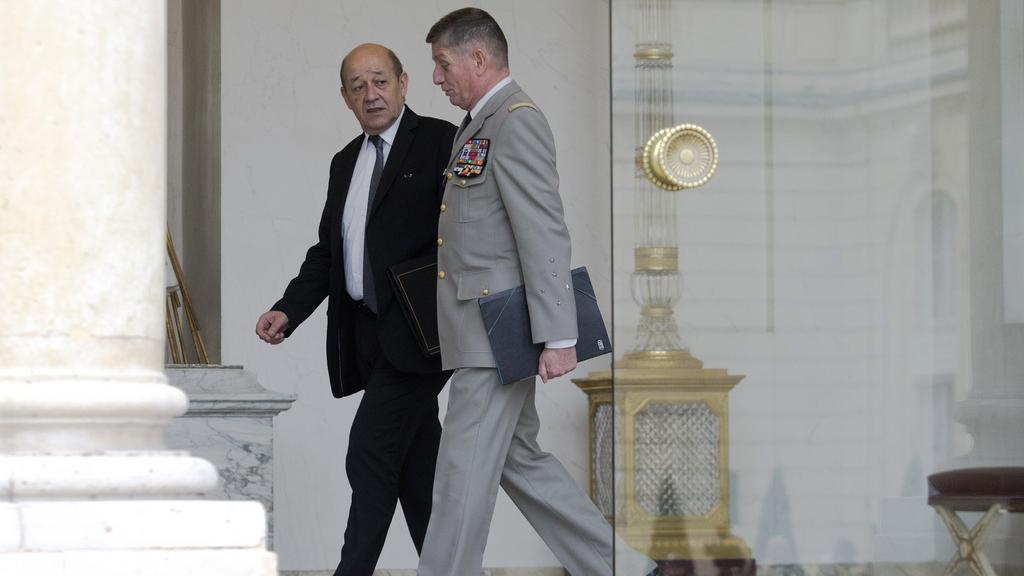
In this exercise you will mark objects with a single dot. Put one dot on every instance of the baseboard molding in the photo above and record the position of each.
(875, 569)
(871, 569)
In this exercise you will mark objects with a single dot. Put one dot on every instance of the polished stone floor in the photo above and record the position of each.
(880, 569)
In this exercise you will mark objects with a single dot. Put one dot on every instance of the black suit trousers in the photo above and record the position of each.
(391, 453)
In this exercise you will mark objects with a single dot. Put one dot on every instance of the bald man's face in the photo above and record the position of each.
(372, 90)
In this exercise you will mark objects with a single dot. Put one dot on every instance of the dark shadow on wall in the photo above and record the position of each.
(194, 156)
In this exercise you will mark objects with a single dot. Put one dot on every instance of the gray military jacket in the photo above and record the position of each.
(502, 225)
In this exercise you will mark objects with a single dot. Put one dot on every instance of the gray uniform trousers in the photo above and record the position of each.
(490, 430)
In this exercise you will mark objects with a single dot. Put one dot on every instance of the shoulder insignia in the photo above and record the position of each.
(522, 105)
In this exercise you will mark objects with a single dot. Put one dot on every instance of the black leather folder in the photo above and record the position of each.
(507, 320)
(415, 284)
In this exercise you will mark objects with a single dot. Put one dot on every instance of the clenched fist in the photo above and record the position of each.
(271, 326)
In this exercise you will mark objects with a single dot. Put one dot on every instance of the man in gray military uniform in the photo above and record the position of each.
(501, 225)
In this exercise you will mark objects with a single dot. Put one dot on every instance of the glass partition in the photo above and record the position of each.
(818, 286)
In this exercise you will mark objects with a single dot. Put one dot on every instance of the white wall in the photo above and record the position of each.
(282, 120)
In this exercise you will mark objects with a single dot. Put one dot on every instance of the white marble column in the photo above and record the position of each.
(87, 486)
(993, 412)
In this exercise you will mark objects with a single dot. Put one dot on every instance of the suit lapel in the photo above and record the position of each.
(399, 148)
(476, 123)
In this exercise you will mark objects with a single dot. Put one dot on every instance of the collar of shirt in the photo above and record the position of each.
(388, 136)
(494, 90)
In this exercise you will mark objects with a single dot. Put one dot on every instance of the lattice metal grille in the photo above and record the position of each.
(677, 459)
(603, 452)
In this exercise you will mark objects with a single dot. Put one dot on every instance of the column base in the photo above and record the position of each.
(141, 563)
(137, 538)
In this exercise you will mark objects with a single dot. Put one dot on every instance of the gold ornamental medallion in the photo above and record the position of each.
(684, 156)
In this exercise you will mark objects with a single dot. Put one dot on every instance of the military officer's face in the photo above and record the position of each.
(456, 72)
(371, 89)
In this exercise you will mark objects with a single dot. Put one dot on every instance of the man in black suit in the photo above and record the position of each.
(382, 208)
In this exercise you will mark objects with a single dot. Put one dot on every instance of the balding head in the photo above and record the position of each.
(373, 86)
(377, 49)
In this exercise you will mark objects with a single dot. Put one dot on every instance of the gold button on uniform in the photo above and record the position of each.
(486, 291)
(450, 176)
(441, 274)
(444, 207)
(440, 241)
(462, 182)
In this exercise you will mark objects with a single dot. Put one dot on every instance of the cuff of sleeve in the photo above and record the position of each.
(567, 343)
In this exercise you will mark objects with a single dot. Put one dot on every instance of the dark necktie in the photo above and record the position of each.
(378, 166)
(462, 128)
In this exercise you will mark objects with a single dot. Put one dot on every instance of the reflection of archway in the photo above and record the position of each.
(936, 326)
(936, 289)
(915, 391)
(936, 277)
(922, 307)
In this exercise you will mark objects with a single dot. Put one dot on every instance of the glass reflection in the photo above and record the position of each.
(858, 256)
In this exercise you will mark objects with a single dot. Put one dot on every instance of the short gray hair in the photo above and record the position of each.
(465, 25)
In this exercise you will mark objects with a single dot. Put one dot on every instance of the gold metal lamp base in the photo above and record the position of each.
(674, 456)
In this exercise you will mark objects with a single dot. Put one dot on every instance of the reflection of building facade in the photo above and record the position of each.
(833, 264)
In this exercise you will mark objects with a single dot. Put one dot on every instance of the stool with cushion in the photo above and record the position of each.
(994, 491)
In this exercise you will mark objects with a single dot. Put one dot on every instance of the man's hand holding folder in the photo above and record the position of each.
(555, 362)
(516, 356)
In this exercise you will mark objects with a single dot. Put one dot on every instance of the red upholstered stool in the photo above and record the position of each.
(994, 491)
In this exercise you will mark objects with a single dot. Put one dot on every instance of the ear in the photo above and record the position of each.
(481, 61)
(403, 81)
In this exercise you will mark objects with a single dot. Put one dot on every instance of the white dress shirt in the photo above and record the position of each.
(568, 342)
(483, 99)
(353, 220)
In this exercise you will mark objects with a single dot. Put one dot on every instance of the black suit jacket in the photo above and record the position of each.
(401, 225)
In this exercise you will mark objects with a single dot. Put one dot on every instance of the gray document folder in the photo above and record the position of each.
(508, 328)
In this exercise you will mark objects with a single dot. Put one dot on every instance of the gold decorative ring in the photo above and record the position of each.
(684, 156)
(653, 53)
(658, 258)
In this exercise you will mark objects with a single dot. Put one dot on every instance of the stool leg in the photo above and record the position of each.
(970, 543)
(979, 561)
(960, 534)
